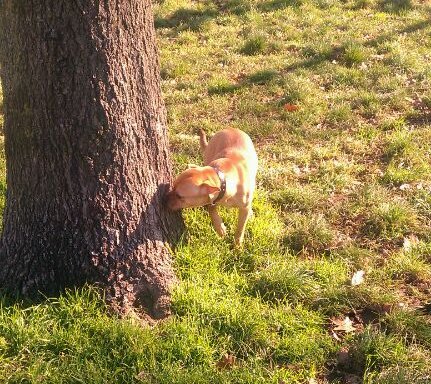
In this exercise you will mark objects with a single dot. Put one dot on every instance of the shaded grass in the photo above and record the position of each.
(254, 45)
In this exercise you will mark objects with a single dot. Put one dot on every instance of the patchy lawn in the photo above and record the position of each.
(336, 96)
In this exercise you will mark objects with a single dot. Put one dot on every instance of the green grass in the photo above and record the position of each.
(344, 180)
(254, 45)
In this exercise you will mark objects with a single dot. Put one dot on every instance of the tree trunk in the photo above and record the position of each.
(86, 152)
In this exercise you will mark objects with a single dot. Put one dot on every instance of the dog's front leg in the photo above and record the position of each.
(243, 216)
(216, 220)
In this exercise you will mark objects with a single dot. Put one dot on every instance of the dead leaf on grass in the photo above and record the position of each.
(409, 242)
(335, 336)
(291, 107)
(404, 187)
(145, 377)
(296, 170)
(357, 278)
(226, 362)
(343, 325)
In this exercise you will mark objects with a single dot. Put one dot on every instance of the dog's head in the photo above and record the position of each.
(194, 187)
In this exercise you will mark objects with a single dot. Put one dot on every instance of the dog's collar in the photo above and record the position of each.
(222, 192)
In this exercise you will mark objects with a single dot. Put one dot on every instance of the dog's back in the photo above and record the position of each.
(230, 143)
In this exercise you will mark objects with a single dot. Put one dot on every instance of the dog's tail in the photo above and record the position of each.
(203, 140)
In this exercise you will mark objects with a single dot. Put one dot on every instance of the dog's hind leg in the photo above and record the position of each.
(203, 140)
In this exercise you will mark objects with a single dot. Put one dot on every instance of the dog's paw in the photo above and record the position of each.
(238, 244)
(238, 241)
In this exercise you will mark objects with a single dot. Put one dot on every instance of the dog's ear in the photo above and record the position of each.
(210, 189)
(192, 166)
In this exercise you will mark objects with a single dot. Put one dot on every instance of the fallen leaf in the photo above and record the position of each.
(404, 187)
(296, 170)
(343, 325)
(145, 377)
(378, 57)
(409, 242)
(358, 278)
(291, 107)
(226, 362)
(335, 336)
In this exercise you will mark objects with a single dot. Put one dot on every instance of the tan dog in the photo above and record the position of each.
(228, 178)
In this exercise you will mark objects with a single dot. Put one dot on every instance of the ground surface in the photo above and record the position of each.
(336, 96)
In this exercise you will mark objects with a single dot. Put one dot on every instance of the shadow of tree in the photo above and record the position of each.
(193, 19)
(186, 18)
(420, 118)
(257, 78)
(395, 6)
(274, 5)
(336, 51)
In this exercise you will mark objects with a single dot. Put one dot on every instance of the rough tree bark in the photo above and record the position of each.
(86, 151)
